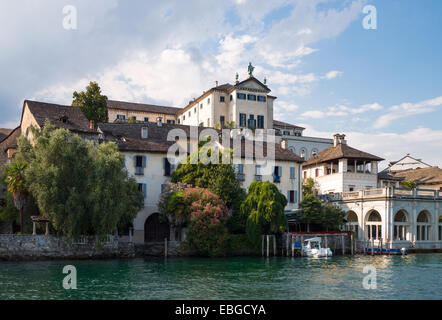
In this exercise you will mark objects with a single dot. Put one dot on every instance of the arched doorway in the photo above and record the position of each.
(156, 230)
(352, 223)
(373, 225)
(423, 226)
(401, 225)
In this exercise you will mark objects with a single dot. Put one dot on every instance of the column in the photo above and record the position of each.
(47, 229)
(34, 228)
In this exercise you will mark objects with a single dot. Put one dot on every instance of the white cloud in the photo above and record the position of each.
(341, 111)
(407, 109)
(333, 74)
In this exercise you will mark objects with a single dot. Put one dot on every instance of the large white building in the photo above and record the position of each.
(376, 211)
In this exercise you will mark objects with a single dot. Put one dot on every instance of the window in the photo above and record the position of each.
(258, 172)
(170, 121)
(261, 122)
(201, 106)
(121, 117)
(241, 96)
(251, 97)
(208, 122)
(146, 119)
(222, 120)
(292, 196)
(143, 189)
(316, 172)
(231, 97)
(262, 99)
(286, 133)
(242, 119)
(208, 101)
(292, 172)
(252, 121)
(222, 99)
(240, 171)
(277, 173)
(144, 133)
(351, 188)
(179, 121)
(167, 167)
(190, 113)
(184, 117)
(139, 164)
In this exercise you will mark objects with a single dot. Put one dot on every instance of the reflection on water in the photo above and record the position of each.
(410, 277)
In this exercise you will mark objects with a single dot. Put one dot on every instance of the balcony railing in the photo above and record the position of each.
(139, 171)
(392, 193)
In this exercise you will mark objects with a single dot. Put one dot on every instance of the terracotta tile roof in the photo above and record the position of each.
(10, 142)
(4, 133)
(341, 151)
(385, 175)
(122, 105)
(431, 175)
(67, 117)
(157, 138)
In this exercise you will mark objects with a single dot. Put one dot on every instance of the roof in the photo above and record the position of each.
(122, 105)
(227, 88)
(61, 116)
(286, 125)
(4, 133)
(392, 163)
(431, 175)
(10, 142)
(157, 138)
(340, 151)
(384, 175)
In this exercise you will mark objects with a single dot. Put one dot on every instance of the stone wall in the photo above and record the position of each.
(40, 247)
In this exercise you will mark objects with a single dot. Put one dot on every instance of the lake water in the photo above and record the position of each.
(416, 276)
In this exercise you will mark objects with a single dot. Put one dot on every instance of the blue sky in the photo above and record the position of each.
(382, 88)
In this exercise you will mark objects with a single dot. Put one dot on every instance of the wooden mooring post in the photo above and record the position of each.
(302, 246)
(293, 245)
(274, 245)
(287, 243)
(343, 244)
(165, 247)
(262, 245)
(372, 246)
(268, 245)
(351, 244)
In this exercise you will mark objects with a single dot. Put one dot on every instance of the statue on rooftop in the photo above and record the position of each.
(250, 69)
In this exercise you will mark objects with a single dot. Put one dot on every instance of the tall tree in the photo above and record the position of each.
(311, 210)
(15, 181)
(221, 179)
(264, 209)
(92, 103)
(80, 188)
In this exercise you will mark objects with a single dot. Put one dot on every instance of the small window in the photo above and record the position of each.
(190, 113)
(184, 117)
(201, 106)
(292, 172)
(208, 101)
(222, 99)
(121, 117)
(194, 110)
(222, 120)
(231, 97)
(144, 133)
(262, 99)
(167, 167)
(179, 121)
(241, 96)
(251, 97)
(146, 119)
(139, 161)
(292, 197)
(286, 133)
(261, 122)
(242, 119)
(171, 121)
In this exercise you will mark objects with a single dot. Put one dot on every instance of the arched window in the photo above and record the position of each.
(314, 152)
(292, 149)
(303, 153)
(374, 225)
(423, 226)
(352, 223)
(401, 226)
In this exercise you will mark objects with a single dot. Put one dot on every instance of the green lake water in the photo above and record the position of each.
(416, 276)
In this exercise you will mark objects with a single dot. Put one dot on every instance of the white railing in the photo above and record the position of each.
(391, 193)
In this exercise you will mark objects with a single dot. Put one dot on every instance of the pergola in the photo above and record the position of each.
(39, 219)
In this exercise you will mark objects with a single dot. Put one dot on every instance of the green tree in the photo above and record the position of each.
(409, 184)
(311, 210)
(80, 188)
(308, 186)
(264, 209)
(332, 217)
(220, 178)
(15, 181)
(92, 103)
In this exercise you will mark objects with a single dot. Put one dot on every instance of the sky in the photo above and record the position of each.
(381, 87)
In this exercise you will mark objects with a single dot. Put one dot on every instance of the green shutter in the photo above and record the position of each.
(144, 161)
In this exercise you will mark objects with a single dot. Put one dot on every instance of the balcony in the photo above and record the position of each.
(276, 179)
(392, 193)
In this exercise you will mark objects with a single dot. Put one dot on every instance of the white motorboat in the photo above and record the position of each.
(312, 248)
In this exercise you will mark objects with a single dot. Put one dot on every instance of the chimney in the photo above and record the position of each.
(336, 139)
(216, 83)
(284, 144)
(342, 139)
(159, 121)
(92, 125)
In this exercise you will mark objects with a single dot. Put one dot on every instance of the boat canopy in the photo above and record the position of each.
(317, 239)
